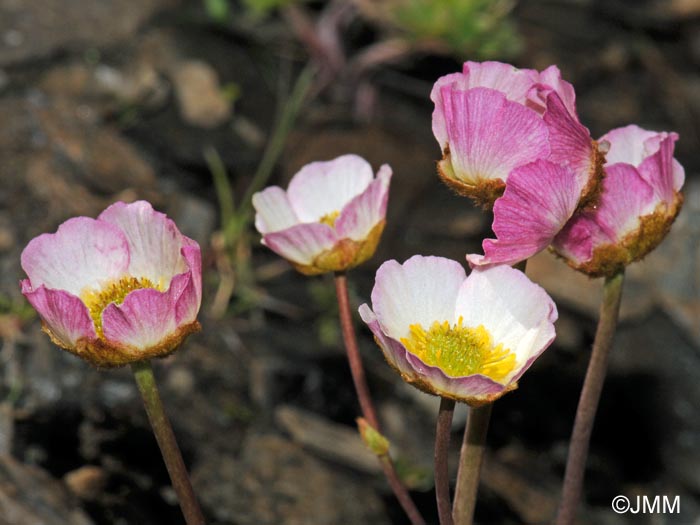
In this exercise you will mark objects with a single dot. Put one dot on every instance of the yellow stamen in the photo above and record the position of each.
(460, 351)
(329, 218)
(113, 292)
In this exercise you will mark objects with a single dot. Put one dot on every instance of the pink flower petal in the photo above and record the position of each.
(83, 253)
(539, 199)
(366, 210)
(302, 243)
(661, 172)
(550, 79)
(274, 213)
(514, 83)
(630, 144)
(184, 296)
(570, 141)
(64, 314)
(455, 81)
(422, 290)
(144, 320)
(626, 197)
(577, 240)
(394, 351)
(321, 188)
(154, 240)
(489, 135)
(193, 258)
(678, 175)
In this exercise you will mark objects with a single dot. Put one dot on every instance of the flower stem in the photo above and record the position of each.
(366, 405)
(442, 445)
(143, 373)
(470, 461)
(588, 402)
(354, 359)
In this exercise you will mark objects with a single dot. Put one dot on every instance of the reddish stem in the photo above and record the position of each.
(442, 445)
(353, 352)
(590, 397)
(366, 405)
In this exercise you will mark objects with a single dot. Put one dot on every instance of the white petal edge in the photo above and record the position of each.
(274, 213)
(422, 290)
(154, 241)
(366, 210)
(516, 312)
(324, 187)
(83, 253)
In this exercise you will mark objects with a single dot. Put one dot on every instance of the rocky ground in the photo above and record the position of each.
(119, 99)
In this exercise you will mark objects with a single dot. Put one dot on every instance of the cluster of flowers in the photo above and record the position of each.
(512, 141)
(127, 285)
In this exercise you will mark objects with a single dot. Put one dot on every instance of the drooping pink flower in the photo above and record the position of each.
(330, 218)
(640, 200)
(464, 338)
(493, 118)
(540, 198)
(121, 288)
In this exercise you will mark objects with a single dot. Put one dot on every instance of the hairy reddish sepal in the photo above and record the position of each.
(484, 193)
(611, 258)
(344, 255)
(590, 194)
(106, 354)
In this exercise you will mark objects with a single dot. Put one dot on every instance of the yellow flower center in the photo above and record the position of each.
(329, 218)
(460, 351)
(113, 292)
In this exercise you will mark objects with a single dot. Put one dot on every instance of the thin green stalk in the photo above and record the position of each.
(224, 191)
(442, 446)
(275, 146)
(363, 396)
(470, 461)
(572, 488)
(235, 220)
(143, 373)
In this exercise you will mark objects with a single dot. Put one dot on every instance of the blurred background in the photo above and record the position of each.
(196, 104)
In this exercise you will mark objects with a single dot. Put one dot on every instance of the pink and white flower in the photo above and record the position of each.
(494, 118)
(464, 338)
(330, 218)
(640, 200)
(121, 288)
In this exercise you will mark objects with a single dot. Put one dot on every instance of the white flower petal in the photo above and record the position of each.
(422, 290)
(515, 311)
(302, 243)
(154, 241)
(274, 212)
(628, 145)
(83, 253)
(321, 188)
